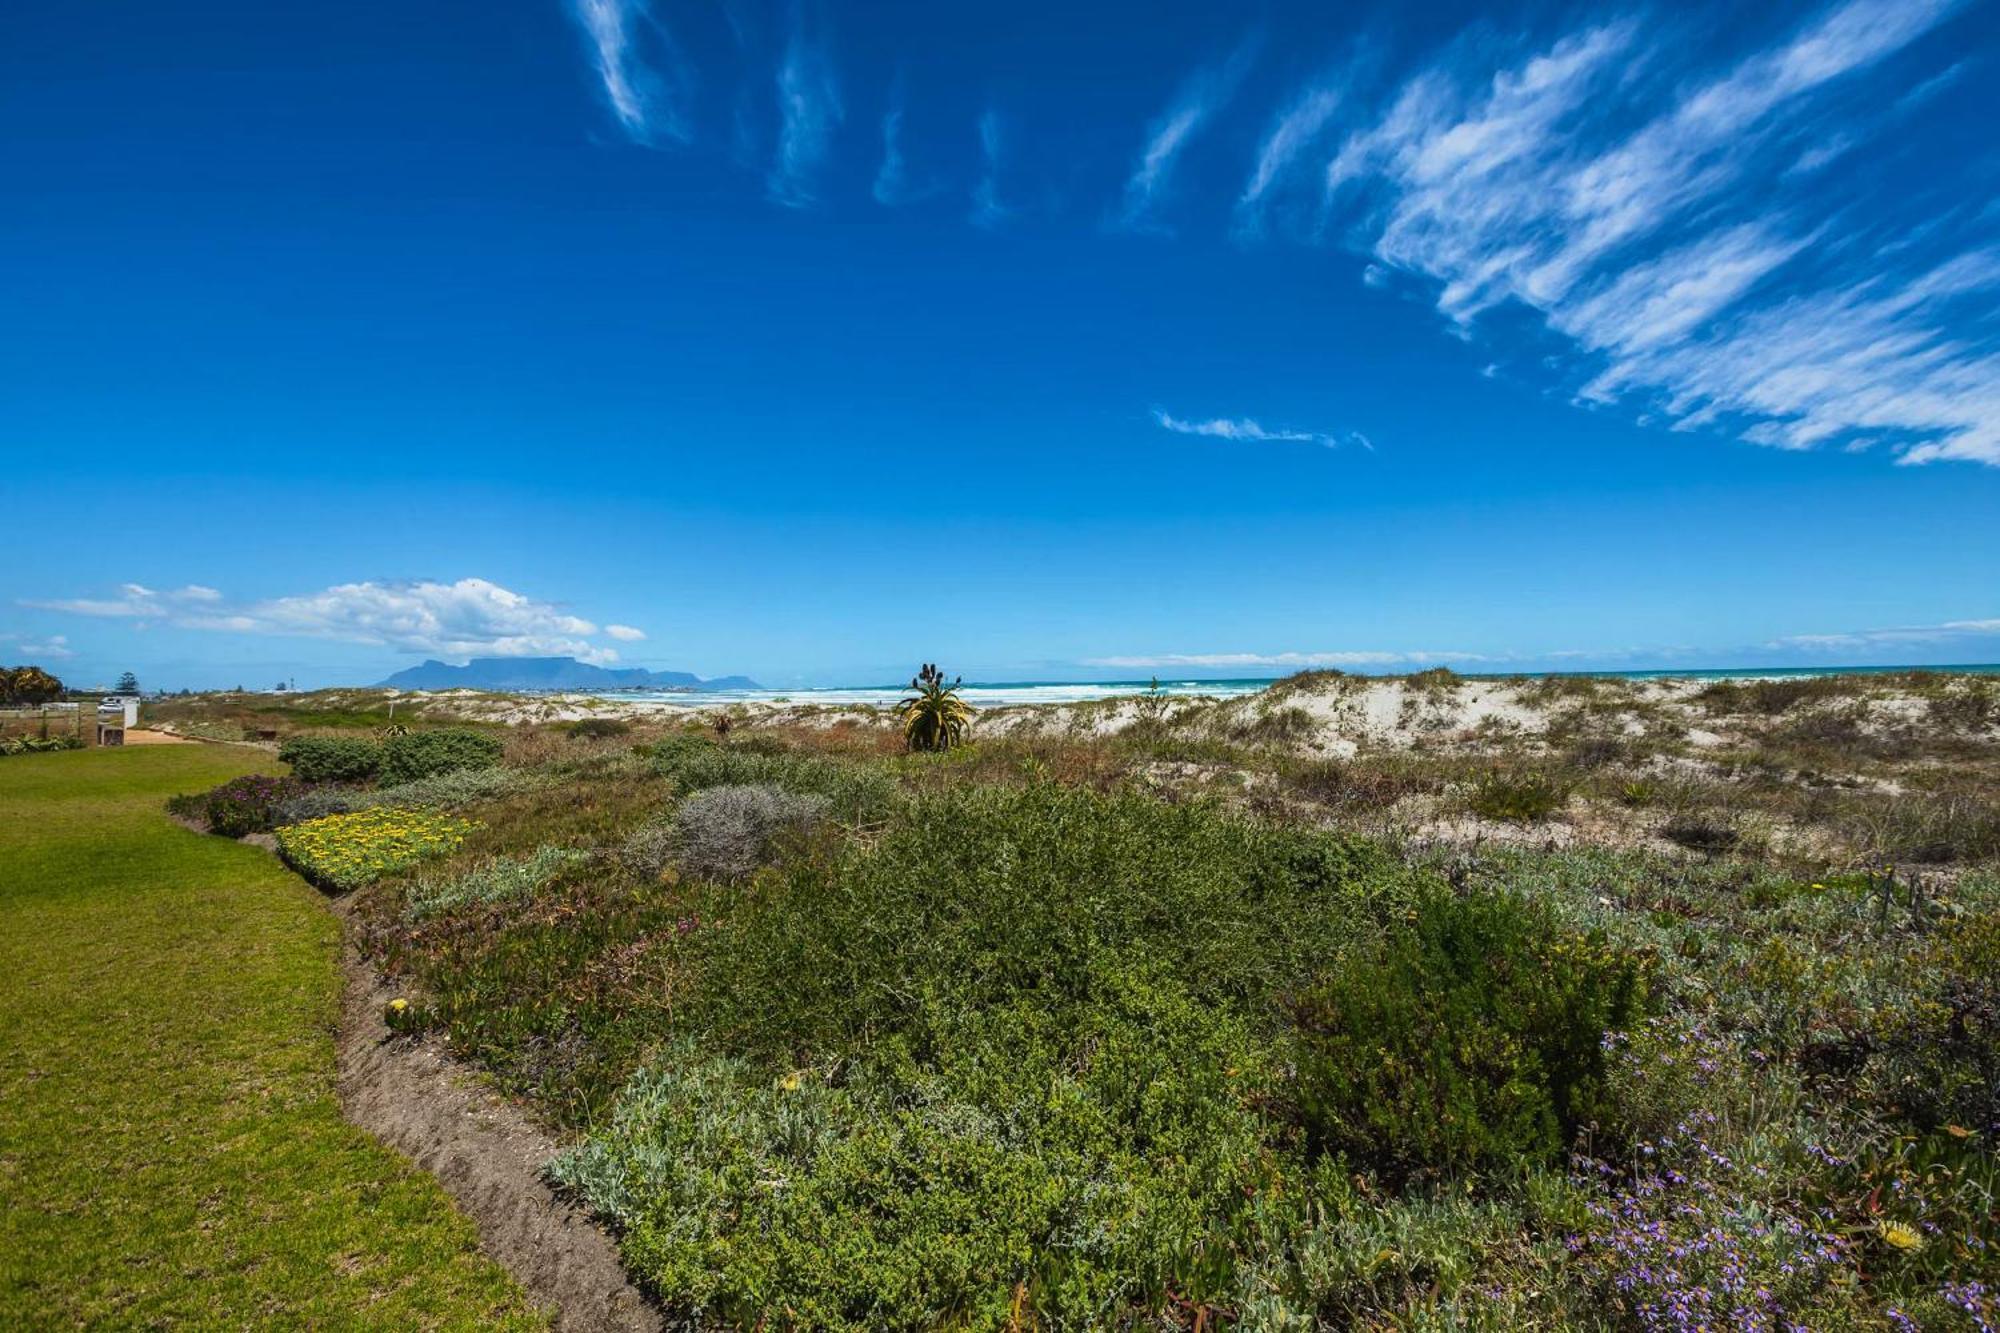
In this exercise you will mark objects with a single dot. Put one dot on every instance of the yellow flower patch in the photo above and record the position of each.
(348, 851)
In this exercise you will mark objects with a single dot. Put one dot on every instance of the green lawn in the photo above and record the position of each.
(170, 1149)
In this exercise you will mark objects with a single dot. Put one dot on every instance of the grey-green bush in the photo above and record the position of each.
(725, 833)
(852, 791)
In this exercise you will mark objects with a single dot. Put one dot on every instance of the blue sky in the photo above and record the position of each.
(813, 341)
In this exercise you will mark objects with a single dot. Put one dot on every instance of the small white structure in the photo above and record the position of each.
(116, 713)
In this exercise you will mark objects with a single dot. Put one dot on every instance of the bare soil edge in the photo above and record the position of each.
(488, 1155)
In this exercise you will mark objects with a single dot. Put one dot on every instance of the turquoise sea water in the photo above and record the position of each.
(996, 694)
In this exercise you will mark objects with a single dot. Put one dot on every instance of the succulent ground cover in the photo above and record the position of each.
(347, 851)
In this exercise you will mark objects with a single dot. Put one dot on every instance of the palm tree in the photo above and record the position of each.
(934, 718)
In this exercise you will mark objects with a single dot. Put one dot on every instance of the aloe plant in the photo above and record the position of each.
(934, 717)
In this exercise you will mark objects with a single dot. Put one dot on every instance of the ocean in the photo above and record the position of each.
(997, 694)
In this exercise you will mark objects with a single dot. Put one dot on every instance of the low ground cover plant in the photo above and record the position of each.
(495, 881)
(252, 804)
(348, 851)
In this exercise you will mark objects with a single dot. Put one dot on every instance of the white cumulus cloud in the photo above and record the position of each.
(470, 617)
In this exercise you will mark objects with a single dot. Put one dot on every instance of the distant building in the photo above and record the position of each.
(116, 714)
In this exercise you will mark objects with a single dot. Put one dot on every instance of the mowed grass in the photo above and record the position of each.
(171, 1153)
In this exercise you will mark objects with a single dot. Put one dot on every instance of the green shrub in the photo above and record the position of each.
(423, 754)
(1936, 1056)
(598, 728)
(1470, 1041)
(331, 758)
(1523, 798)
(983, 893)
(10, 745)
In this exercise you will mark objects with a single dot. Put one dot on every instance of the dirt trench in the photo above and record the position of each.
(487, 1153)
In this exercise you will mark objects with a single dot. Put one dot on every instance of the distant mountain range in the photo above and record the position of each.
(552, 673)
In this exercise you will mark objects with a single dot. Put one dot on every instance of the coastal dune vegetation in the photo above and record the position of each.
(1411, 1003)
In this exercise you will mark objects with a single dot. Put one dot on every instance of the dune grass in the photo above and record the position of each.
(170, 1149)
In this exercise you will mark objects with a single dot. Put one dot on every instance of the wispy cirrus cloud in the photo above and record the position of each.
(1200, 96)
(1246, 428)
(647, 79)
(894, 186)
(1675, 225)
(988, 211)
(809, 112)
(470, 617)
(892, 178)
(1294, 130)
